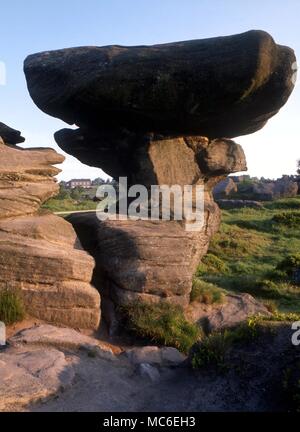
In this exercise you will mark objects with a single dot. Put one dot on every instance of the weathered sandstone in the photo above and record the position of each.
(159, 115)
(9, 135)
(219, 87)
(40, 254)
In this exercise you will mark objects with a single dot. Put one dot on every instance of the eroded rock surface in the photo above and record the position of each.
(219, 87)
(28, 375)
(159, 115)
(235, 309)
(40, 254)
(10, 135)
(61, 338)
(149, 260)
(163, 357)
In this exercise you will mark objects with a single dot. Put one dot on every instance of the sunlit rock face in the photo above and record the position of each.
(40, 254)
(162, 114)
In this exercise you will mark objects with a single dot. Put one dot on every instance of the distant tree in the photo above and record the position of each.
(98, 181)
(76, 193)
(298, 167)
(64, 193)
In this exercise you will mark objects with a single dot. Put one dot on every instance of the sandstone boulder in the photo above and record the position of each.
(162, 357)
(26, 179)
(150, 261)
(27, 376)
(61, 338)
(9, 135)
(236, 309)
(269, 190)
(40, 254)
(159, 115)
(225, 188)
(226, 86)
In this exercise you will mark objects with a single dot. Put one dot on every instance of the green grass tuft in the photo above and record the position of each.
(68, 204)
(162, 323)
(213, 349)
(11, 307)
(253, 250)
(289, 219)
(205, 292)
(211, 263)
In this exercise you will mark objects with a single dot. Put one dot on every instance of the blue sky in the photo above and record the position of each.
(33, 25)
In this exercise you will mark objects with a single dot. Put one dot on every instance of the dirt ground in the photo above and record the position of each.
(252, 383)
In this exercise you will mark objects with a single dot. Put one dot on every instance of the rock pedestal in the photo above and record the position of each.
(40, 254)
(155, 260)
(159, 115)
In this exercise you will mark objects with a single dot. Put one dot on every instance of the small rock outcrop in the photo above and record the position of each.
(28, 376)
(41, 362)
(281, 188)
(10, 135)
(225, 188)
(247, 188)
(159, 115)
(40, 254)
(235, 309)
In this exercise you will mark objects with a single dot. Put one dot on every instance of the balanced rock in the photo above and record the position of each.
(159, 115)
(219, 87)
(40, 254)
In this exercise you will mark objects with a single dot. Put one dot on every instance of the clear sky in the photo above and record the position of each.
(30, 26)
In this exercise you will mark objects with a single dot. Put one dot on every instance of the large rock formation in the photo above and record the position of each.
(40, 254)
(226, 86)
(158, 115)
(155, 260)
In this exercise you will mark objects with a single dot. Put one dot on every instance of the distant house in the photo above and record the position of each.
(83, 183)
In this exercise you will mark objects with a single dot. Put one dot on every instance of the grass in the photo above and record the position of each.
(211, 263)
(284, 203)
(11, 307)
(69, 204)
(206, 292)
(251, 249)
(288, 266)
(290, 219)
(213, 349)
(161, 323)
